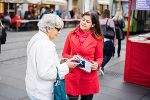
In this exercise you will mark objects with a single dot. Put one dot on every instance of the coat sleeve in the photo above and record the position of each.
(67, 48)
(62, 70)
(46, 63)
(99, 52)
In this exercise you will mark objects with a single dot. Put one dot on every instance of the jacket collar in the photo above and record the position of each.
(87, 42)
(44, 35)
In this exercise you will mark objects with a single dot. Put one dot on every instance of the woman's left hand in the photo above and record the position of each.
(94, 65)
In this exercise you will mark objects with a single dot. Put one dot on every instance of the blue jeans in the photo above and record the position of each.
(107, 53)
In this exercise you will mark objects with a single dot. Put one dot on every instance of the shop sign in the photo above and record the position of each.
(143, 4)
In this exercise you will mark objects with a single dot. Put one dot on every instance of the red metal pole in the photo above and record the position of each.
(129, 16)
(127, 39)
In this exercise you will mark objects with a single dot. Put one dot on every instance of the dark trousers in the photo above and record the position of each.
(107, 53)
(119, 47)
(0, 46)
(83, 97)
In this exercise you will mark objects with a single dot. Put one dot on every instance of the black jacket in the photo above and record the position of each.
(3, 36)
(119, 25)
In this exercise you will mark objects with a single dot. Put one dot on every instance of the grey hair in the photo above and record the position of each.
(50, 21)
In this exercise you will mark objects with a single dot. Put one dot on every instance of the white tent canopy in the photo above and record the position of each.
(33, 1)
(21, 1)
(13, 1)
(55, 2)
(104, 2)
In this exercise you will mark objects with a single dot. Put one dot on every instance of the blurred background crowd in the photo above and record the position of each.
(12, 11)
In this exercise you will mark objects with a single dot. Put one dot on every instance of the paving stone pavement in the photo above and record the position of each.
(13, 67)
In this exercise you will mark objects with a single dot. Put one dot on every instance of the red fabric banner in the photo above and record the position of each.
(137, 65)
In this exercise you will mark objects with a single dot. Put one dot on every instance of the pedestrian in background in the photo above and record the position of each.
(109, 43)
(29, 15)
(15, 22)
(42, 59)
(85, 41)
(77, 14)
(119, 25)
(3, 35)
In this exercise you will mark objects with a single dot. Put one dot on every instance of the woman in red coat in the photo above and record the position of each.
(86, 41)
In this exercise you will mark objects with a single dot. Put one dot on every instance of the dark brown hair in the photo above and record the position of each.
(95, 20)
(106, 13)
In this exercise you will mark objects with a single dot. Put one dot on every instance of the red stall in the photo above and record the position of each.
(137, 61)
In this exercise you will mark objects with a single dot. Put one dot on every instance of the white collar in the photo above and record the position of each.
(44, 35)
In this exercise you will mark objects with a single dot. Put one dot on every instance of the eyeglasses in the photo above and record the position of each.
(58, 29)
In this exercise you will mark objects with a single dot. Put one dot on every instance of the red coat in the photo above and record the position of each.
(14, 20)
(79, 82)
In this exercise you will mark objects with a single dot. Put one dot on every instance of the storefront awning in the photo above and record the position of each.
(33, 1)
(104, 2)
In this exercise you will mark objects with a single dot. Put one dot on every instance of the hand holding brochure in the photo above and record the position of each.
(84, 64)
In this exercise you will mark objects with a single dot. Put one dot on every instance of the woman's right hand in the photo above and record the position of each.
(72, 64)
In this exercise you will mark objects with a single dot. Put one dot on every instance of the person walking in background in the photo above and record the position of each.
(42, 11)
(108, 42)
(42, 59)
(15, 22)
(119, 25)
(77, 14)
(3, 35)
(29, 15)
(85, 41)
(72, 13)
(7, 20)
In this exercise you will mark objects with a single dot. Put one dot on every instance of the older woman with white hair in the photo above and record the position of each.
(42, 59)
